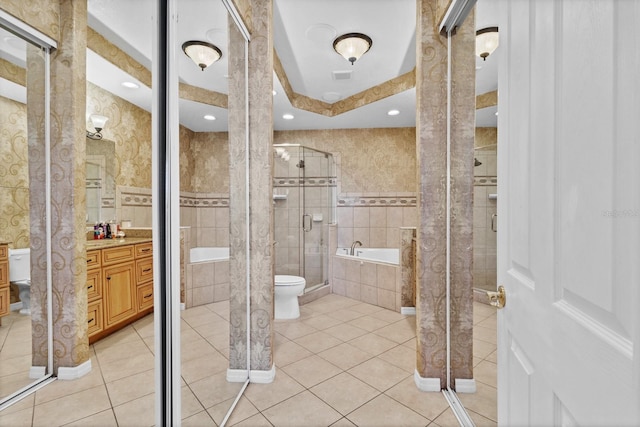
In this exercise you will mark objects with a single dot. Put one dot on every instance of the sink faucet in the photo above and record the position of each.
(357, 242)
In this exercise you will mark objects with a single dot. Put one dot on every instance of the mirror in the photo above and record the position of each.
(101, 183)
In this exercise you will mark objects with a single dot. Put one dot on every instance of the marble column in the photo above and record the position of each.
(68, 237)
(431, 248)
(259, 156)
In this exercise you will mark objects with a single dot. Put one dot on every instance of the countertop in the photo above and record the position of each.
(110, 243)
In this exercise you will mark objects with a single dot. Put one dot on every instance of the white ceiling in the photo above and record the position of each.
(303, 35)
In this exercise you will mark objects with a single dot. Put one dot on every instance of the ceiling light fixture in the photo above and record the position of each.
(203, 54)
(287, 116)
(130, 85)
(393, 112)
(98, 122)
(486, 42)
(352, 46)
(209, 117)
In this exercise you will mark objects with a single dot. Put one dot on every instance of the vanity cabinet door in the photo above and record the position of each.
(119, 292)
(94, 284)
(94, 317)
(4, 301)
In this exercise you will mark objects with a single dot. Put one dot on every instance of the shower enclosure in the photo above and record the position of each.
(304, 197)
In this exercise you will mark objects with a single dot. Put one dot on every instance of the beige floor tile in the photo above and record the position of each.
(121, 351)
(264, 396)
(292, 329)
(482, 349)
(123, 368)
(398, 332)
(311, 370)
(243, 410)
(289, 352)
(321, 322)
(189, 404)
(486, 372)
(428, 404)
(15, 365)
(484, 334)
(215, 389)
(131, 387)
(490, 322)
(216, 326)
(345, 332)
(202, 319)
(61, 388)
(72, 407)
(102, 419)
(23, 417)
(197, 349)
(493, 357)
(483, 401)
(198, 420)
(481, 421)
(204, 366)
(400, 356)
(318, 341)
(303, 409)
(138, 412)
(257, 420)
(26, 403)
(345, 314)
(447, 419)
(379, 374)
(392, 316)
(372, 344)
(126, 334)
(343, 422)
(219, 341)
(365, 308)
(344, 392)
(345, 356)
(368, 323)
(145, 326)
(188, 335)
(383, 412)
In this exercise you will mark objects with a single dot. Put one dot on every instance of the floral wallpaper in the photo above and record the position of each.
(372, 160)
(14, 174)
(210, 154)
(41, 14)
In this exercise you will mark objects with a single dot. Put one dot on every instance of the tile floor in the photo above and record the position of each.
(342, 363)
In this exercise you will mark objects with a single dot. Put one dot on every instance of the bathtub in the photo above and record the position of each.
(206, 254)
(206, 276)
(386, 255)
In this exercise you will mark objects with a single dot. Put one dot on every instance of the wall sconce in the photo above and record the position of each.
(486, 42)
(98, 122)
(352, 46)
(202, 54)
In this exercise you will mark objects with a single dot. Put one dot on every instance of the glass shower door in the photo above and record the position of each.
(315, 179)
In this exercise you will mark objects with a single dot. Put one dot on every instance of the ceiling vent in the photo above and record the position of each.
(342, 75)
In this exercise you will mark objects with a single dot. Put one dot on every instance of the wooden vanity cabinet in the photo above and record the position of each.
(5, 302)
(119, 287)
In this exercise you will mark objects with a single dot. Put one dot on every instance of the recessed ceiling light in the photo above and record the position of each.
(209, 117)
(130, 85)
(393, 112)
(496, 113)
(287, 116)
(274, 92)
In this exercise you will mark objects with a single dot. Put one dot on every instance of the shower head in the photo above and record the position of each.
(476, 162)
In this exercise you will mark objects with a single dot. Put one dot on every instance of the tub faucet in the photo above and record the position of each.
(357, 242)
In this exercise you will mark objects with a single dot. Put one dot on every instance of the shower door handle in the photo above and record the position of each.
(304, 225)
(494, 217)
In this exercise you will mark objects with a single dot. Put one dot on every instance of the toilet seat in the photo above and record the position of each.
(286, 280)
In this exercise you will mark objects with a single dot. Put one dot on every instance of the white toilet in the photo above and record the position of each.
(20, 274)
(287, 289)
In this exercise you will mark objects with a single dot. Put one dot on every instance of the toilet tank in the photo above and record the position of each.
(19, 264)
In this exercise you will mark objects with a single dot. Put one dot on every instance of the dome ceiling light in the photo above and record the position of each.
(98, 122)
(486, 42)
(203, 54)
(352, 46)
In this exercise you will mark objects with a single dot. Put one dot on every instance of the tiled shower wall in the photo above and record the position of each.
(485, 221)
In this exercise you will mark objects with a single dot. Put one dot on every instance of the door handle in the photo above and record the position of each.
(498, 299)
(493, 219)
(304, 227)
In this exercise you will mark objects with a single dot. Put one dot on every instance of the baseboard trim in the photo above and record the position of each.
(426, 384)
(237, 375)
(465, 385)
(15, 306)
(65, 373)
(408, 311)
(263, 377)
(36, 372)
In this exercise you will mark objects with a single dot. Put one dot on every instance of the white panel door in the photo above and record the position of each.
(569, 208)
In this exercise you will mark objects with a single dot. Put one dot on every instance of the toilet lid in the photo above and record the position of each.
(285, 280)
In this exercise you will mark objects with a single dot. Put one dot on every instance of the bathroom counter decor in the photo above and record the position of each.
(119, 284)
